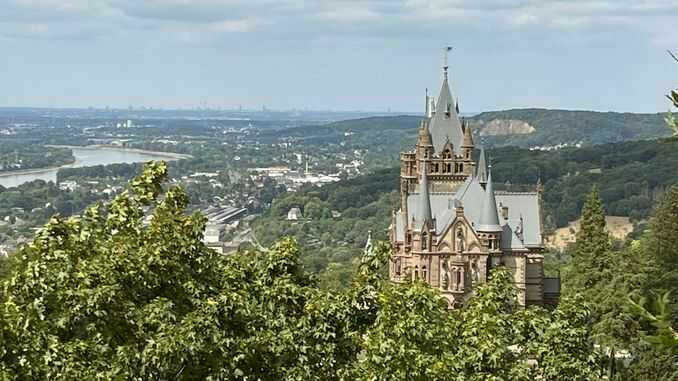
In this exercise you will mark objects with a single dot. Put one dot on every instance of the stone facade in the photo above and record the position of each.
(452, 226)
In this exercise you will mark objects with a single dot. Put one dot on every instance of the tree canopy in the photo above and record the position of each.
(129, 291)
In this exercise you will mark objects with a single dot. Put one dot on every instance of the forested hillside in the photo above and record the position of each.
(389, 135)
(553, 127)
(631, 177)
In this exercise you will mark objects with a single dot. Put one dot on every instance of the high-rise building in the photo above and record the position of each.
(453, 226)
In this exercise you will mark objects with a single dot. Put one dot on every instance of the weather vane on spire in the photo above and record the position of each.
(448, 49)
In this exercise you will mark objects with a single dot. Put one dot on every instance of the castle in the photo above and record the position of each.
(453, 226)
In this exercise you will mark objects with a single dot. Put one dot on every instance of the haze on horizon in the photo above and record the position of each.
(338, 54)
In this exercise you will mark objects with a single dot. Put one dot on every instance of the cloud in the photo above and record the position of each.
(304, 19)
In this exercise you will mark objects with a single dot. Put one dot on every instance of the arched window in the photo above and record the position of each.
(423, 272)
(461, 167)
(416, 272)
(446, 281)
(424, 241)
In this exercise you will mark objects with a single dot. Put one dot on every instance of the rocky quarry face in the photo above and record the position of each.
(498, 127)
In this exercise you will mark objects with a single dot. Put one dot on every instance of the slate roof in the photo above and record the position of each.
(516, 235)
(489, 218)
(445, 122)
(481, 170)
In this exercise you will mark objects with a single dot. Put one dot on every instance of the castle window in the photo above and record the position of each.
(416, 272)
(449, 167)
(461, 167)
(424, 241)
(423, 272)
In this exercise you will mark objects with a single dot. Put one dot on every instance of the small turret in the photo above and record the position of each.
(424, 141)
(468, 135)
(467, 146)
(481, 170)
(489, 217)
(423, 210)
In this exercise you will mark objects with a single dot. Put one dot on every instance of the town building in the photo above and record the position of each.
(294, 214)
(452, 226)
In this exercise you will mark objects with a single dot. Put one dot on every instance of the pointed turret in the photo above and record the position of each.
(424, 141)
(445, 121)
(422, 212)
(468, 136)
(489, 218)
(481, 170)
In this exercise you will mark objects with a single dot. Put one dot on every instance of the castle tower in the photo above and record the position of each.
(448, 230)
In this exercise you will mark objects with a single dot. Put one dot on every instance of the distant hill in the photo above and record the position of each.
(551, 127)
(631, 177)
(518, 127)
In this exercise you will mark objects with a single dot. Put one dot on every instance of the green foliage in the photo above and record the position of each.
(106, 297)
(415, 337)
(661, 240)
(22, 156)
(591, 258)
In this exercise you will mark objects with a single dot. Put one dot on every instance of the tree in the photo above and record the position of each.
(591, 259)
(661, 242)
(106, 296)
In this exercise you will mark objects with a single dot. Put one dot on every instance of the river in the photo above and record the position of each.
(86, 157)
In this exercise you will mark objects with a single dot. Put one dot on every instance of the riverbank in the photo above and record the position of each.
(33, 171)
(171, 155)
(51, 170)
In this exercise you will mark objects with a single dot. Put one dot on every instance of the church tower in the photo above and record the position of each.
(452, 226)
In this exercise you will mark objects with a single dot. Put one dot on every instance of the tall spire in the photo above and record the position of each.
(429, 110)
(489, 218)
(481, 170)
(423, 208)
(445, 121)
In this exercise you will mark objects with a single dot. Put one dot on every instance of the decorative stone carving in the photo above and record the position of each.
(460, 240)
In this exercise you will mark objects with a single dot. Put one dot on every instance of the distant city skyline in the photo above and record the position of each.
(341, 55)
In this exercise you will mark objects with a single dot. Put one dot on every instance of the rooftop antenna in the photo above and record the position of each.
(448, 49)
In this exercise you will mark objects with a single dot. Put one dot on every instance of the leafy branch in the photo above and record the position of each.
(671, 121)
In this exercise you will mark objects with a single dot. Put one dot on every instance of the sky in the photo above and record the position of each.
(369, 55)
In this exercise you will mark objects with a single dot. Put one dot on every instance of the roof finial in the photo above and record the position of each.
(446, 66)
(428, 105)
